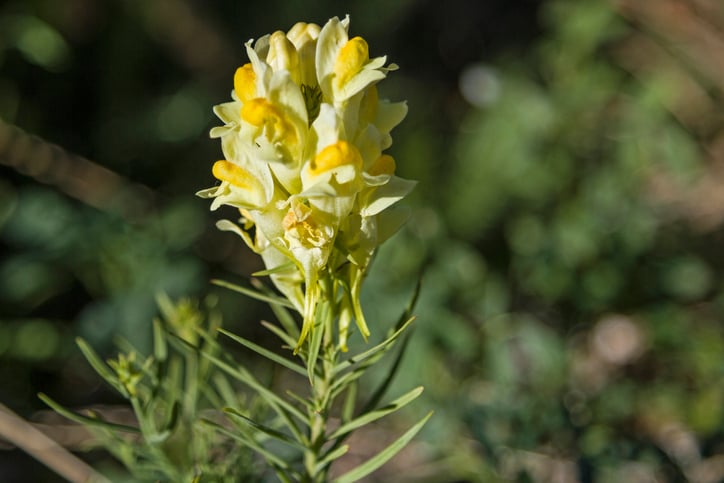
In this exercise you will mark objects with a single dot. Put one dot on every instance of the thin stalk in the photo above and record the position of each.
(321, 397)
(318, 423)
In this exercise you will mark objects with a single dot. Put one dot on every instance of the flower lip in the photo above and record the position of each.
(259, 112)
(236, 175)
(245, 82)
(335, 155)
(350, 59)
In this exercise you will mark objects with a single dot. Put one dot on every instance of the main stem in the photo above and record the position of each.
(318, 420)
(320, 397)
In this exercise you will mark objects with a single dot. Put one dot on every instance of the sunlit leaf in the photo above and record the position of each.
(266, 353)
(368, 417)
(383, 456)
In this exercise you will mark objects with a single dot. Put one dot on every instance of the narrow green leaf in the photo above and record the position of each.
(286, 319)
(288, 340)
(384, 345)
(181, 344)
(224, 389)
(207, 335)
(350, 401)
(94, 360)
(244, 376)
(341, 383)
(283, 476)
(173, 417)
(165, 305)
(99, 366)
(330, 457)
(379, 393)
(383, 456)
(282, 408)
(265, 353)
(315, 343)
(124, 345)
(283, 315)
(160, 349)
(300, 400)
(173, 384)
(211, 394)
(249, 442)
(90, 421)
(411, 304)
(279, 268)
(158, 438)
(367, 418)
(191, 387)
(271, 299)
(265, 429)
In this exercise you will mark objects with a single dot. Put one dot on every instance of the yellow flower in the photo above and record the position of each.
(303, 140)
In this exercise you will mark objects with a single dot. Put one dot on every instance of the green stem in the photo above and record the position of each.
(318, 421)
(321, 390)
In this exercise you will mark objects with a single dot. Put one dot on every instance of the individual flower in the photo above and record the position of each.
(303, 141)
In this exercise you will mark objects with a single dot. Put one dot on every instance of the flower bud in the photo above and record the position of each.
(282, 54)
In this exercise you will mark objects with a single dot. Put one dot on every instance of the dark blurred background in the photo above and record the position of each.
(569, 219)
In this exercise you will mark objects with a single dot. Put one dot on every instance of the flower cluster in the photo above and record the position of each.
(303, 140)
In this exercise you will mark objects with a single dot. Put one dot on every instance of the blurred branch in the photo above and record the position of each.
(41, 447)
(75, 176)
(701, 204)
(683, 31)
(688, 100)
(681, 44)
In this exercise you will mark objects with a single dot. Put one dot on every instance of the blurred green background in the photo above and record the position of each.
(568, 219)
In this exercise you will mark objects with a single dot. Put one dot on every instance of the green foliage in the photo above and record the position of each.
(304, 423)
(572, 215)
(173, 393)
(177, 392)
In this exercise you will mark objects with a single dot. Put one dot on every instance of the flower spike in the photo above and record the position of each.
(303, 141)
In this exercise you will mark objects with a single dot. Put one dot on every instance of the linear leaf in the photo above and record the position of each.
(286, 319)
(331, 456)
(407, 313)
(285, 337)
(173, 417)
(350, 401)
(383, 456)
(315, 343)
(300, 400)
(265, 352)
(100, 367)
(224, 389)
(385, 384)
(374, 350)
(367, 418)
(282, 313)
(242, 438)
(160, 350)
(245, 377)
(270, 271)
(343, 381)
(79, 418)
(264, 429)
(283, 408)
(271, 299)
